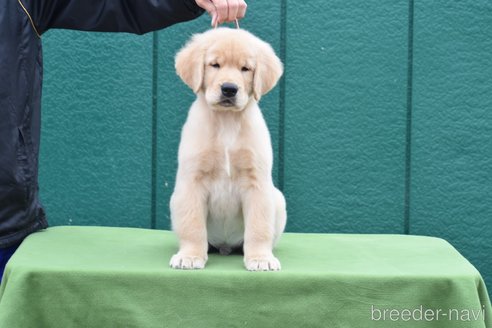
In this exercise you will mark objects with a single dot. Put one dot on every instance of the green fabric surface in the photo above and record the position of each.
(119, 277)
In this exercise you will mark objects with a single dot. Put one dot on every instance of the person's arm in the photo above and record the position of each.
(133, 16)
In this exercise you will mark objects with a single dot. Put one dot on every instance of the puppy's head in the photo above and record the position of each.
(231, 66)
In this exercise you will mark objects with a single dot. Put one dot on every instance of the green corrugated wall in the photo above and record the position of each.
(382, 123)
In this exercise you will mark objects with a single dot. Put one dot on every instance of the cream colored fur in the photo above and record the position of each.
(224, 193)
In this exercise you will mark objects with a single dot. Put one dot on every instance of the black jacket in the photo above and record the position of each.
(22, 22)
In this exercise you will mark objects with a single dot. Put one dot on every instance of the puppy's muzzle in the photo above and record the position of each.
(228, 96)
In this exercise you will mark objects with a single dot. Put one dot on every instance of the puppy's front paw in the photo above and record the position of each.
(262, 263)
(187, 262)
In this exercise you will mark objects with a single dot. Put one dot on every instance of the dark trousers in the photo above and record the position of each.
(5, 255)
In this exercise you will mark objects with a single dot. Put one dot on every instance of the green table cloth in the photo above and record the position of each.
(119, 277)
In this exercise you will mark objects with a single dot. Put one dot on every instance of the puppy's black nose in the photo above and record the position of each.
(229, 90)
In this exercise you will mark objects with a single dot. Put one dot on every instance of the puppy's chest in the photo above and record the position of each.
(228, 157)
(230, 164)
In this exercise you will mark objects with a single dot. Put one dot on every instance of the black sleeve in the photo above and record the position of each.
(133, 16)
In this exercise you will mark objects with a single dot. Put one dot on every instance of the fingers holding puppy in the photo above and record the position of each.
(223, 10)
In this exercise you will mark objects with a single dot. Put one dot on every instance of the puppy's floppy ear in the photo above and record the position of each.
(268, 70)
(190, 61)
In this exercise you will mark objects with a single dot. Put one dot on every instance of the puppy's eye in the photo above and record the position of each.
(215, 65)
(245, 69)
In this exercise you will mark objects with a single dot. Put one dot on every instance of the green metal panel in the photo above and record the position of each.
(175, 98)
(96, 130)
(345, 111)
(452, 127)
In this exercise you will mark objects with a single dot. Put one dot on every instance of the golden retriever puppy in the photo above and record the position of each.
(224, 194)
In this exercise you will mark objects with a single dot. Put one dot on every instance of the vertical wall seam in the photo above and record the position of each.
(153, 211)
(408, 136)
(281, 109)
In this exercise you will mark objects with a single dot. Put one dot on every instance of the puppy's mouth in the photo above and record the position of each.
(221, 103)
(227, 102)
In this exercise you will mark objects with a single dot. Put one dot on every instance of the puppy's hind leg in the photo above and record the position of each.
(188, 216)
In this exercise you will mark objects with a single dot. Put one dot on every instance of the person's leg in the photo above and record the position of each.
(5, 255)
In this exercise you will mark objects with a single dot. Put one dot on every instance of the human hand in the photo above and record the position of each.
(223, 10)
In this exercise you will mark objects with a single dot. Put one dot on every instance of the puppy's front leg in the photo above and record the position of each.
(259, 218)
(189, 216)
